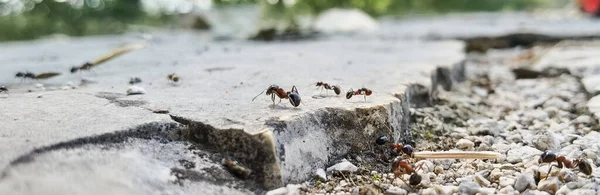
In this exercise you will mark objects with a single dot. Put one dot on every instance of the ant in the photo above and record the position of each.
(401, 166)
(117, 52)
(549, 157)
(25, 75)
(275, 90)
(362, 91)
(336, 88)
(30, 75)
(86, 66)
(3, 89)
(134, 80)
(173, 77)
(405, 149)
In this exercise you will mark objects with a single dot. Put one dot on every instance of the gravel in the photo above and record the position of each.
(519, 118)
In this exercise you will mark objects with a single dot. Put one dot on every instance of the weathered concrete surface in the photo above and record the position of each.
(29, 122)
(219, 79)
(146, 159)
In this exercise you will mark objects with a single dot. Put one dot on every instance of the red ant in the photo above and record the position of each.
(275, 90)
(549, 157)
(401, 166)
(406, 149)
(362, 91)
(336, 88)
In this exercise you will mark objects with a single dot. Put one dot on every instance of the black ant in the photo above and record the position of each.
(117, 52)
(30, 75)
(275, 90)
(3, 89)
(406, 149)
(562, 161)
(134, 80)
(25, 75)
(86, 66)
(173, 77)
(336, 88)
(362, 91)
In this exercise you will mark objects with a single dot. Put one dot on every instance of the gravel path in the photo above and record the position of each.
(491, 111)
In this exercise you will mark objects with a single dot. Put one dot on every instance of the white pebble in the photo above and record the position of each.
(321, 175)
(481, 180)
(464, 144)
(278, 191)
(507, 190)
(135, 90)
(39, 85)
(446, 190)
(506, 181)
(549, 185)
(396, 191)
(525, 181)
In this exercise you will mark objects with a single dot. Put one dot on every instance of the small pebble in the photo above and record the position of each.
(396, 191)
(525, 181)
(39, 85)
(486, 191)
(549, 185)
(135, 90)
(40, 95)
(507, 190)
(465, 144)
(446, 190)
(428, 191)
(506, 181)
(481, 180)
(438, 170)
(278, 191)
(321, 175)
(468, 187)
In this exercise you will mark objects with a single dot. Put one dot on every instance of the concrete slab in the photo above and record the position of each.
(218, 82)
(29, 122)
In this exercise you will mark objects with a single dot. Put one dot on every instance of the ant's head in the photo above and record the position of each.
(86, 65)
(3, 88)
(367, 91)
(273, 87)
(74, 69)
(319, 83)
(408, 149)
(382, 140)
(20, 74)
(547, 156)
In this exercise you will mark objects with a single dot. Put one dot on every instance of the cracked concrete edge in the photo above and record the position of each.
(288, 151)
(153, 130)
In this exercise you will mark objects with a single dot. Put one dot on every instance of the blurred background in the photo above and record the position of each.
(31, 19)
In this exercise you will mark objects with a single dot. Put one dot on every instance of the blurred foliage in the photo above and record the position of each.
(114, 16)
(59, 17)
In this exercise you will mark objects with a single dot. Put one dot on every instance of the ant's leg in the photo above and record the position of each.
(273, 99)
(365, 96)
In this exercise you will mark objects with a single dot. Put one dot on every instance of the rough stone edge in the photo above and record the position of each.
(289, 151)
